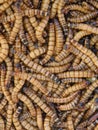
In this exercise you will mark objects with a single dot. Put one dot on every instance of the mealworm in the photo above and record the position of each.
(75, 7)
(83, 18)
(37, 67)
(45, 5)
(88, 6)
(5, 5)
(84, 57)
(63, 62)
(36, 3)
(40, 103)
(94, 39)
(81, 66)
(94, 3)
(47, 123)
(58, 69)
(87, 52)
(69, 106)
(84, 27)
(9, 70)
(4, 89)
(28, 103)
(61, 17)
(78, 119)
(37, 52)
(76, 74)
(51, 44)
(75, 87)
(89, 91)
(30, 29)
(15, 28)
(59, 37)
(16, 90)
(2, 126)
(61, 100)
(40, 77)
(72, 80)
(70, 124)
(23, 36)
(40, 29)
(3, 102)
(9, 117)
(80, 35)
(4, 48)
(33, 22)
(39, 119)
(54, 9)
(16, 122)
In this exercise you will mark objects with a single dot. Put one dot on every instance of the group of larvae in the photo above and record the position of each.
(48, 64)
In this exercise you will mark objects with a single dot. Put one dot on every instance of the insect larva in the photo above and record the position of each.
(16, 122)
(9, 69)
(94, 3)
(4, 48)
(84, 27)
(36, 3)
(32, 80)
(28, 103)
(87, 52)
(81, 34)
(76, 74)
(75, 7)
(31, 46)
(84, 57)
(93, 40)
(40, 28)
(89, 91)
(37, 52)
(61, 17)
(88, 6)
(51, 44)
(83, 18)
(93, 118)
(16, 28)
(9, 117)
(82, 125)
(70, 124)
(91, 126)
(90, 112)
(81, 66)
(61, 100)
(3, 102)
(2, 123)
(3, 1)
(45, 5)
(7, 27)
(28, 3)
(76, 61)
(75, 87)
(58, 69)
(39, 119)
(22, 36)
(5, 5)
(40, 103)
(78, 119)
(4, 89)
(47, 123)
(63, 54)
(30, 29)
(54, 9)
(37, 67)
(40, 77)
(33, 22)
(16, 90)
(63, 62)
(72, 80)
(35, 12)
(96, 127)
(27, 125)
(59, 37)
(69, 106)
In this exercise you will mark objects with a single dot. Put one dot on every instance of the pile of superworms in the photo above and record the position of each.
(48, 64)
